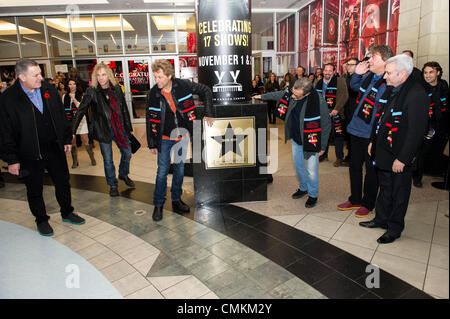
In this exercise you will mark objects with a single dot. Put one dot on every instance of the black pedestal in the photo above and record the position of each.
(237, 184)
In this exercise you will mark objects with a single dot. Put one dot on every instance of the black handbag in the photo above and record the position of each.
(135, 145)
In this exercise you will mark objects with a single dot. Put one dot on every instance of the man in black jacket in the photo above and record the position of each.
(396, 138)
(169, 119)
(110, 122)
(35, 135)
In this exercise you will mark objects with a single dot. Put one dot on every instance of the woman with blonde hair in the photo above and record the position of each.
(110, 122)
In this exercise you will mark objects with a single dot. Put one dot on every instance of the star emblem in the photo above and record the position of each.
(229, 137)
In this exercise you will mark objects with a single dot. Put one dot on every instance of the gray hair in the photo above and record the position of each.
(23, 64)
(402, 62)
(303, 84)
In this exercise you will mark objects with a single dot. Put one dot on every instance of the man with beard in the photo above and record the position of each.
(334, 90)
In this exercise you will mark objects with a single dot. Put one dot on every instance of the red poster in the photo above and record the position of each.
(303, 32)
(303, 60)
(316, 24)
(349, 28)
(331, 22)
(282, 36)
(393, 24)
(373, 24)
(291, 30)
(330, 55)
(315, 59)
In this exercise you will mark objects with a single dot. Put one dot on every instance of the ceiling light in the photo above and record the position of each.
(31, 39)
(167, 23)
(7, 28)
(61, 39)
(85, 24)
(33, 3)
(8, 41)
(175, 2)
(114, 40)
(87, 38)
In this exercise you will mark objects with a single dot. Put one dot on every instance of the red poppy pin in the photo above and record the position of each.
(47, 96)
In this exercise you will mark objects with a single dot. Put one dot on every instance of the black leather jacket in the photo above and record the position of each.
(100, 124)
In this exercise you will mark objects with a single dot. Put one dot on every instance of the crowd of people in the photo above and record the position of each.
(393, 118)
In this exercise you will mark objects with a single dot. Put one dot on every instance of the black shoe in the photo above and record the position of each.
(299, 194)
(73, 219)
(157, 213)
(113, 192)
(45, 229)
(417, 184)
(127, 181)
(311, 202)
(387, 239)
(180, 207)
(323, 158)
(440, 185)
(372, 224)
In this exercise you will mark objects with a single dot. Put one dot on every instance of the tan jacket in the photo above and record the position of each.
(341, 95)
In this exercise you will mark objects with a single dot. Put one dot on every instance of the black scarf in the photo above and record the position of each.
(284, 104)
(438, 103)
(312, 135)
(367, 108)
(330, 98)
(392, 115)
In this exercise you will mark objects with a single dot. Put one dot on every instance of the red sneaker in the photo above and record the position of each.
(362, 212)
(347, 206)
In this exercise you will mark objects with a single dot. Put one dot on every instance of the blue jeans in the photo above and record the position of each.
(108, 163)
(180, 151)
(307, 175)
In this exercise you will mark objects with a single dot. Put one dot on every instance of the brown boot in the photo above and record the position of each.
(91, 154)
(338, 162)
(74, 157)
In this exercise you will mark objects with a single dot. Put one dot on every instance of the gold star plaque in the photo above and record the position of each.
(230, 143)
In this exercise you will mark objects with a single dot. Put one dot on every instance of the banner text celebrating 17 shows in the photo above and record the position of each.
(239, 37)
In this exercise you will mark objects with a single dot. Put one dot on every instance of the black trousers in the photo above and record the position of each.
(271, 109)
(392, 202)
(430, 158)
(54, 160)
(358, 157)
(338, 144)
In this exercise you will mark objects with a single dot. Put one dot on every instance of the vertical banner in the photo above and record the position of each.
(303, 32)
(331, 22)
(393, 24)
(282, 35)
(374, 24)
(224, 48)
(315, 35)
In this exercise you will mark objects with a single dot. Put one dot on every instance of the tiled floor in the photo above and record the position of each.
(246, 255)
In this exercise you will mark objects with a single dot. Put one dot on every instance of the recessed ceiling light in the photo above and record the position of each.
(33, 3)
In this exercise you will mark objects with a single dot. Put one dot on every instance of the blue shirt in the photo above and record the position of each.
(357, 126)
(35, 97)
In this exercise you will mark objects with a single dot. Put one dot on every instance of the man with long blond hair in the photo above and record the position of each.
(110, 122)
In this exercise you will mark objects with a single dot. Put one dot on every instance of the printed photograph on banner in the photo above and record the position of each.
(303, 60)
(315, 60)
(303, 30)
(350, 13)
(373, 24)
(316, 24)
(330, 55)
(331, 22)
(188, 68)
(282, 35)
(394, 12)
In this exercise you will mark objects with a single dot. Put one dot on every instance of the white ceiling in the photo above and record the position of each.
(27, 7)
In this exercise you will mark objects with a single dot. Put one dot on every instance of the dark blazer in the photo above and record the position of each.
(19, 136)
(412, 127)
(100, 121)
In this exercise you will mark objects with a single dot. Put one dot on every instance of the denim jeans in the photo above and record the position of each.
(307, 175)
(108, 163)
(180, 151)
